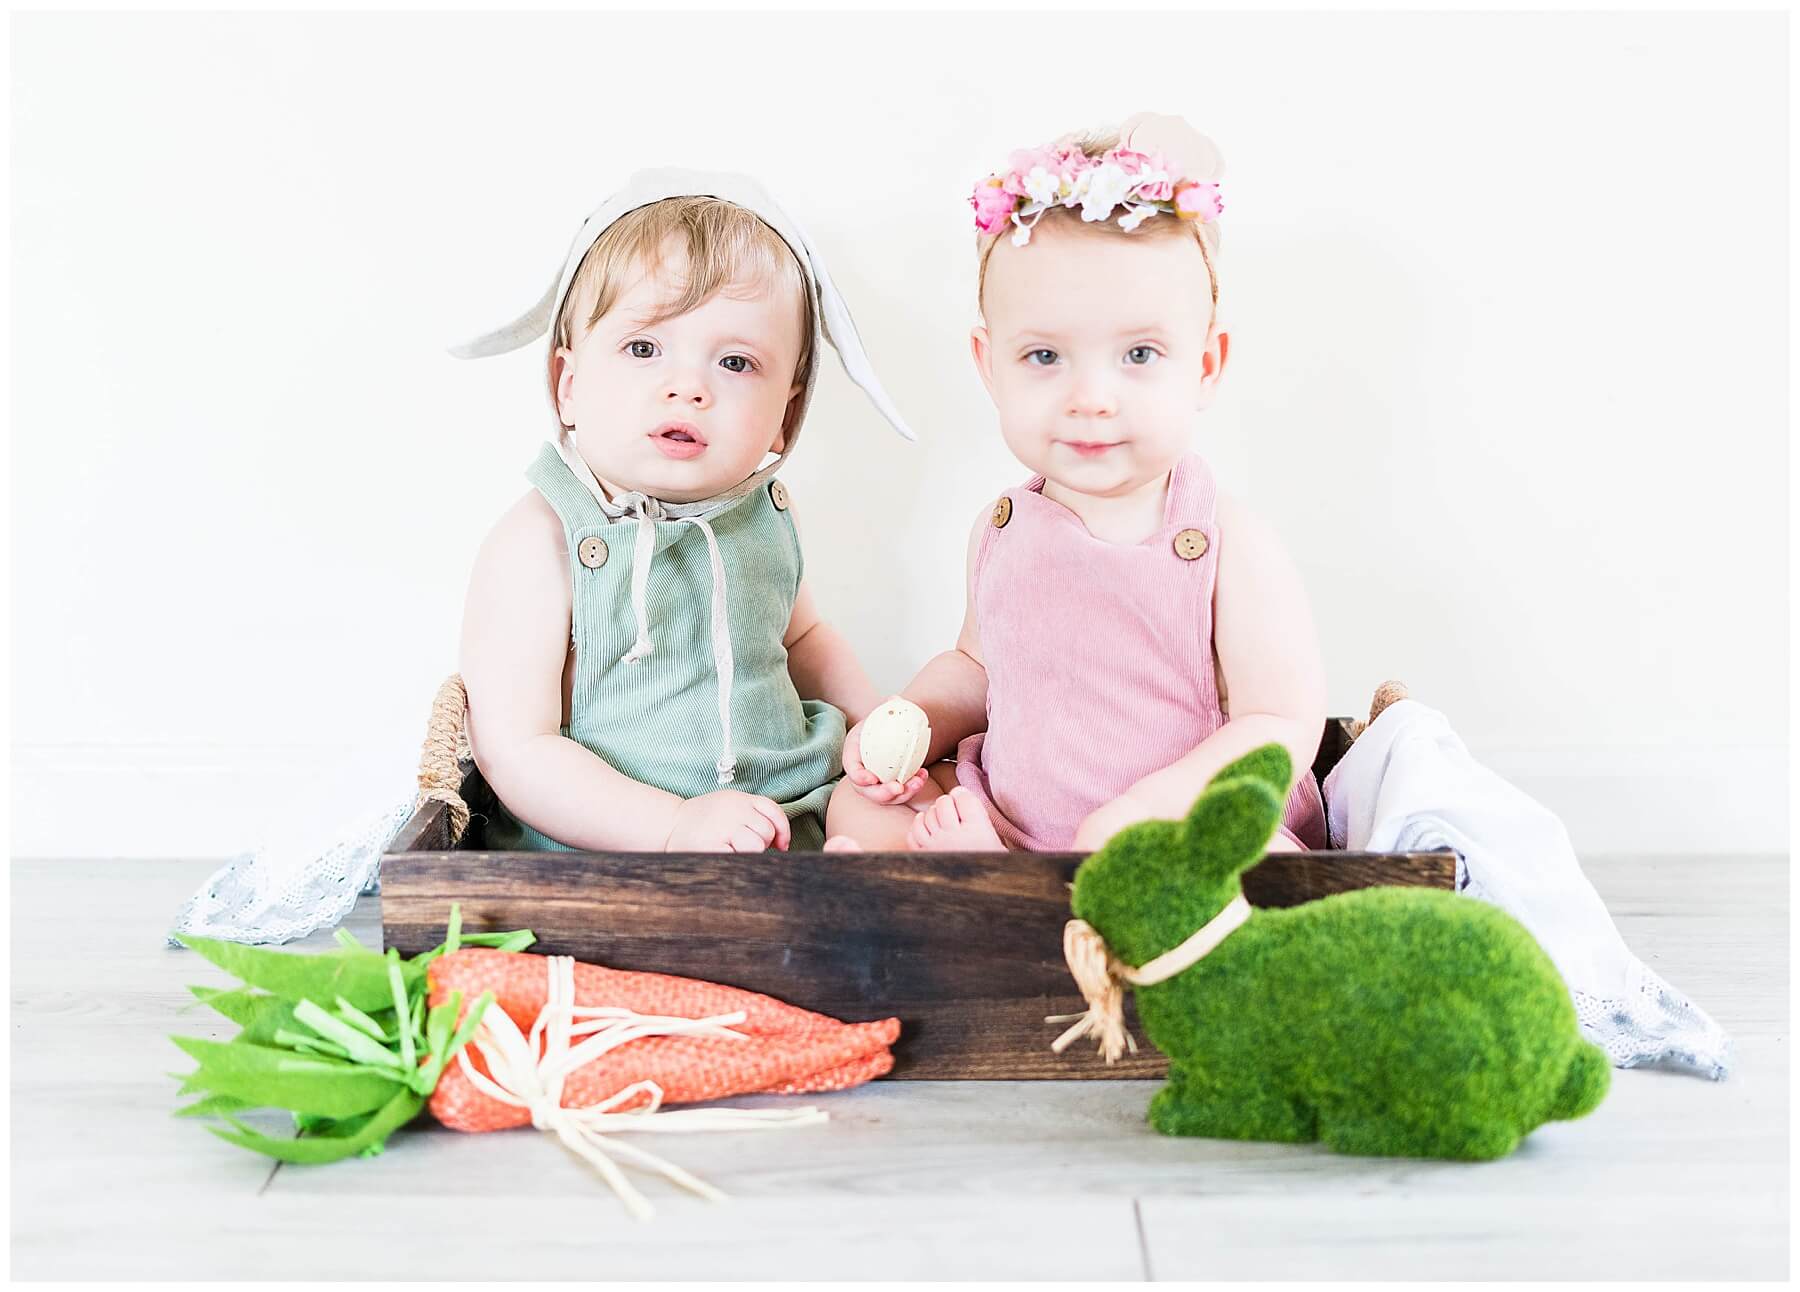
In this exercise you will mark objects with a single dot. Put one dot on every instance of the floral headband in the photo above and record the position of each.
(1037, 179)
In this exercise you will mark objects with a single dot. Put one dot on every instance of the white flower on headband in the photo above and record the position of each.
(1022, 233)
(1042, 187)
(1103, 188)
(1137, 215)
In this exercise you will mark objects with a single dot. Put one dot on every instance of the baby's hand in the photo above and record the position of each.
(871, 786)
(729, 821)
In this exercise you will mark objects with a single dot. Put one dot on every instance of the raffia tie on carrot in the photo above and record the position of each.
(522, 1075)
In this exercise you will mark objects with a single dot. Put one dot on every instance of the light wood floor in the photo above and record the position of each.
(1673, 1177)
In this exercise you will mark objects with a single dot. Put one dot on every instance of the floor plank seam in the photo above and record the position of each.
(1137, 1215)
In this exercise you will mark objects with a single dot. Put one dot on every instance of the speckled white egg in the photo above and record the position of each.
(894, 739)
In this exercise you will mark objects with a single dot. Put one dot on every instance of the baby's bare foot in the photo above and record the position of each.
(956, 822)
(842, 843)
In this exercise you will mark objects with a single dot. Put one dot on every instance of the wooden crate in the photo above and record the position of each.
(966, 949)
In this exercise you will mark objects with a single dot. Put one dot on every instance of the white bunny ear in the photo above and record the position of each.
(525, 329)
(541, 317)
(838, 327)
(1192, 154)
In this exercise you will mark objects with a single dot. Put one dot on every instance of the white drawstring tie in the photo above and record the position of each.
(648, 511)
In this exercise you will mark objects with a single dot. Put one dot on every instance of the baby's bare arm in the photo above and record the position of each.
(952, 687)
(515, 643)
(1268, 645)
(821, 661)
(1269, 652)
(823, 664)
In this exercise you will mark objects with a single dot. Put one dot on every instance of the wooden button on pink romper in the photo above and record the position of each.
(1099, 662)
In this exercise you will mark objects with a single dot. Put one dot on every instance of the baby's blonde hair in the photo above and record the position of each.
(727, 246)
(1162, 225)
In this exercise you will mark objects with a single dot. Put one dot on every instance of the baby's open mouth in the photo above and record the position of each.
(679, 439)
(680, 432)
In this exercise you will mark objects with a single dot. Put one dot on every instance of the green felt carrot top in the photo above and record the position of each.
(342, 1040)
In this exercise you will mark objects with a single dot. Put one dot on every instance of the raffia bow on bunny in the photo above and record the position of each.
(1391, 1021)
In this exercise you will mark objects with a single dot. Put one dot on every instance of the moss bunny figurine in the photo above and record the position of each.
(1390, 1021)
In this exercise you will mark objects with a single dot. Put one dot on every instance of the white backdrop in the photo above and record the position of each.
(1507, 296)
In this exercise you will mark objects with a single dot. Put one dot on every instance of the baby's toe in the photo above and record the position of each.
(963, 802)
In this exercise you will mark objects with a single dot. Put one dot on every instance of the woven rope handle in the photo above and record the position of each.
(446, 749)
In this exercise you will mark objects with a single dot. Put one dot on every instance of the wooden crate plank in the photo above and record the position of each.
(966, 949)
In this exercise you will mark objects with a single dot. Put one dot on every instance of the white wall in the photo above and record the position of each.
(1507, 294)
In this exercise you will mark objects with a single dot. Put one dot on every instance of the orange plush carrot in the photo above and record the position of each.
(791, 1051)
(355, 1044)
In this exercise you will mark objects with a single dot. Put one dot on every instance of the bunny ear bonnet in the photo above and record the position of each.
(831, 317)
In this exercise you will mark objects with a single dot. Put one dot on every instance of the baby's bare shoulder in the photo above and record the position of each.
(529, 530)
(1231, 509)
(515, 630)
(1244, 533)
(520, 579)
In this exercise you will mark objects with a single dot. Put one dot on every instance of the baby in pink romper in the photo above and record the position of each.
(1118, 597)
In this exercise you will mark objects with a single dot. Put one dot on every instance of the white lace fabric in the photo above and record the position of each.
(1408, 783)
(281, 893)
(1653, 1024)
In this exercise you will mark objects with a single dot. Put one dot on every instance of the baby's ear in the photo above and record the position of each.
(1222, 342)
(1229, 827)
(788, 420)
(562, 376)
(981, 349)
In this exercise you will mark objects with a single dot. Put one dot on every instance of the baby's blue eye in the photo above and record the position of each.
(1140, 355)
(642, 349)
(737, 363)
(1049, 357)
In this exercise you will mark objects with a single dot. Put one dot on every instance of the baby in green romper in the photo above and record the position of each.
(645, 665)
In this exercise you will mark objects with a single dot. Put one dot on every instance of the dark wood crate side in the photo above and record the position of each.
(428, 829)
(1334, 742)
(965, 949)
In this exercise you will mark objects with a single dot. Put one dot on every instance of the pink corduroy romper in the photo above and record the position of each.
(1099, 661)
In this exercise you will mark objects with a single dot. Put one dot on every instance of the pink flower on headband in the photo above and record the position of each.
(1150, 171)
(1195, 200)
(993, 205)
(1132, 162)
(1064, 163)
(1022, 162)
(1160, 190)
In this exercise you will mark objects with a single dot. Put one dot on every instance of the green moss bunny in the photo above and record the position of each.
(1393, 1021)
